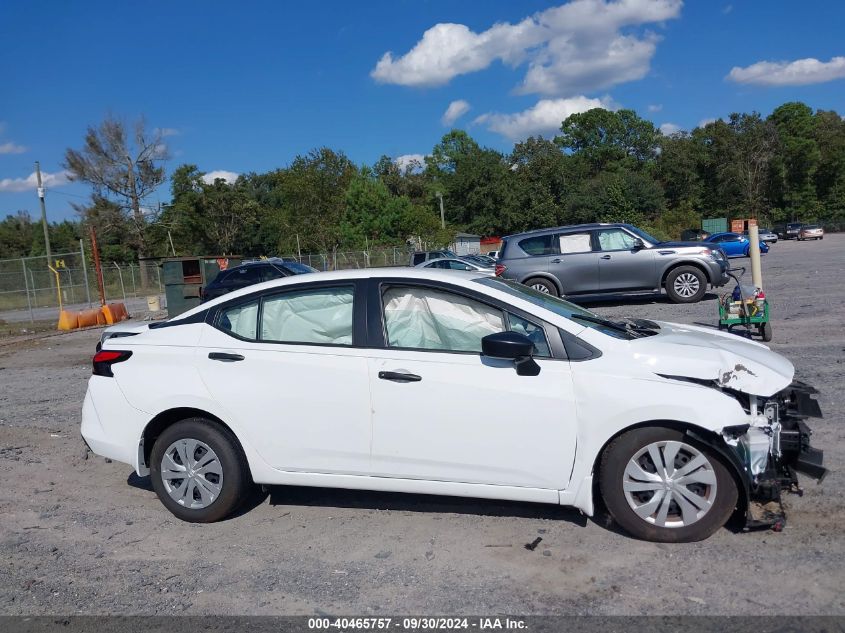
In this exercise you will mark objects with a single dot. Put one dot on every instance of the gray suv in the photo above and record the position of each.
(599, 258)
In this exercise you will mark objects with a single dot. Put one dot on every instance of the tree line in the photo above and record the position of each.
(609, 166)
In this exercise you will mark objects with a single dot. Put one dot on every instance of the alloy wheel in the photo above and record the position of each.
(191, 473)
(669, 484)
(540, 288)
(686, 285)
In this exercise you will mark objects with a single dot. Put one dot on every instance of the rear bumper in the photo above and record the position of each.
(110, 426)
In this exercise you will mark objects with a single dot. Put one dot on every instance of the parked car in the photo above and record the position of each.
(453, 384)
(765, 235)
(811, 232)
(481, 260)
(254, 272)
(788, 231)
(456, 263)
(598, 258)
(694, 235)
(424, 256)
(734, 244)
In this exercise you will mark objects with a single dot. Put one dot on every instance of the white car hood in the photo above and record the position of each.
(698, 352)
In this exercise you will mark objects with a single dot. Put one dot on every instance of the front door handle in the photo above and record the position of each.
(556, 260)
(605, 256)
(225, 357)
(398, 376)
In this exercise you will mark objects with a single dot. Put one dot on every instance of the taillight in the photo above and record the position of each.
(104, 359)
(500, 268)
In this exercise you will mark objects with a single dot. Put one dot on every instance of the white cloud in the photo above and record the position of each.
(801, 72)
(167, 131)
(455, 111)
(727, 9)
(543, 118)
(410, 160)
(229, 176)
(572, 48)
(11, 148)
(655, 107)
(30, 183)
(667, 129)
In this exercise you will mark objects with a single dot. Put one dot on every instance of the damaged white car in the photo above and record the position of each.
(437, 382)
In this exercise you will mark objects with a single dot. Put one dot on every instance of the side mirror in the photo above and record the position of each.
(512, 345)
(638, 244)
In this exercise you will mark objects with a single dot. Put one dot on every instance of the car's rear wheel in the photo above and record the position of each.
(542, 285)
(661, 485)
(686, 284)
(198, 471)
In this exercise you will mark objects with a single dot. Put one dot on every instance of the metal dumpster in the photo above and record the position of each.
(185, 277)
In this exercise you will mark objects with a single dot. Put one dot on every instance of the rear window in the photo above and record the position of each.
(298, 269)
(539, 245)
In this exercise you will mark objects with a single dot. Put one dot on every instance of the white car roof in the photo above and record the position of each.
(457, 277)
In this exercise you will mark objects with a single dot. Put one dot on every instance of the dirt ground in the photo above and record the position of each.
(86, 536)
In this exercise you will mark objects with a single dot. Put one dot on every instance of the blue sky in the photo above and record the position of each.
(247, 86)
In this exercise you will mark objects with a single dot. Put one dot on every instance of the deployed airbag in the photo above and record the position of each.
(314, 316)
(423, 318)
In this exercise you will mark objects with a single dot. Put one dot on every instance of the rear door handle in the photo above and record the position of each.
(398, 376)
(556, 261)
(225, 357)
(605, 256)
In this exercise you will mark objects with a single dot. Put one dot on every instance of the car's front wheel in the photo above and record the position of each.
(686, 284)
(198, 471)
(661, 485)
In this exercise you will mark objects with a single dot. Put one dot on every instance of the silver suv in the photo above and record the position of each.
(618, 258)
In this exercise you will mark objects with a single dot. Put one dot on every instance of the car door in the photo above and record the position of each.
(623, 266)
(577, 266)
(283, 365)
(733, 245)
(444, 412)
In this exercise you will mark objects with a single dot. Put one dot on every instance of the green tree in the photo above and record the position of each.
(606, 138)
(797, 160)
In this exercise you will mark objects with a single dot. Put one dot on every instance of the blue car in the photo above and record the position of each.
(735, 245)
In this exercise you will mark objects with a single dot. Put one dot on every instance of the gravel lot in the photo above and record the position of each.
(86, 536)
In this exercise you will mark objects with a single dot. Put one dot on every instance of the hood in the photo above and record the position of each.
(701, 244)
(698, 352)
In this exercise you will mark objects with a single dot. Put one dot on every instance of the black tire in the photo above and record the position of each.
(679, 274)
(615, 460)
(542, 285)
(766, 331)
(236, 480)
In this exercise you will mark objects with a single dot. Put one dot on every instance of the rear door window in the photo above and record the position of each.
(320, 316)
(575, 243)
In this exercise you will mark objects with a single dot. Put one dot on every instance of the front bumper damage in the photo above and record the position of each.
(773, 448)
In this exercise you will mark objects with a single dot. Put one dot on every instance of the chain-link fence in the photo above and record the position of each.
(373, 258)
(31, 288)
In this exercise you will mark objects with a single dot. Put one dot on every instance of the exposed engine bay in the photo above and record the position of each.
(773, 448)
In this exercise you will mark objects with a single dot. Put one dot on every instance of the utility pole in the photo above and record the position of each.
(43, 214)
(442, 216)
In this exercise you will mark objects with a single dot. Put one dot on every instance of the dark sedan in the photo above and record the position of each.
(251, 273)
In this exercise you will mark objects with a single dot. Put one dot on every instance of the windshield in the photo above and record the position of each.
(643, 235)
(560, 307)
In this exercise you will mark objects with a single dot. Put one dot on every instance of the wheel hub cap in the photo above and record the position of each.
(669, 484)
(686, 284)
(192, 473)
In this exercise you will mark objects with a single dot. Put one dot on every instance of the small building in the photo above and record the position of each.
(467, 244)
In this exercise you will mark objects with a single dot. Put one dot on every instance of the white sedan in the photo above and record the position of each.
(457, 263)
(440, 382)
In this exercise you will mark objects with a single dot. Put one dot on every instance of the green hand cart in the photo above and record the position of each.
(751, 315)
